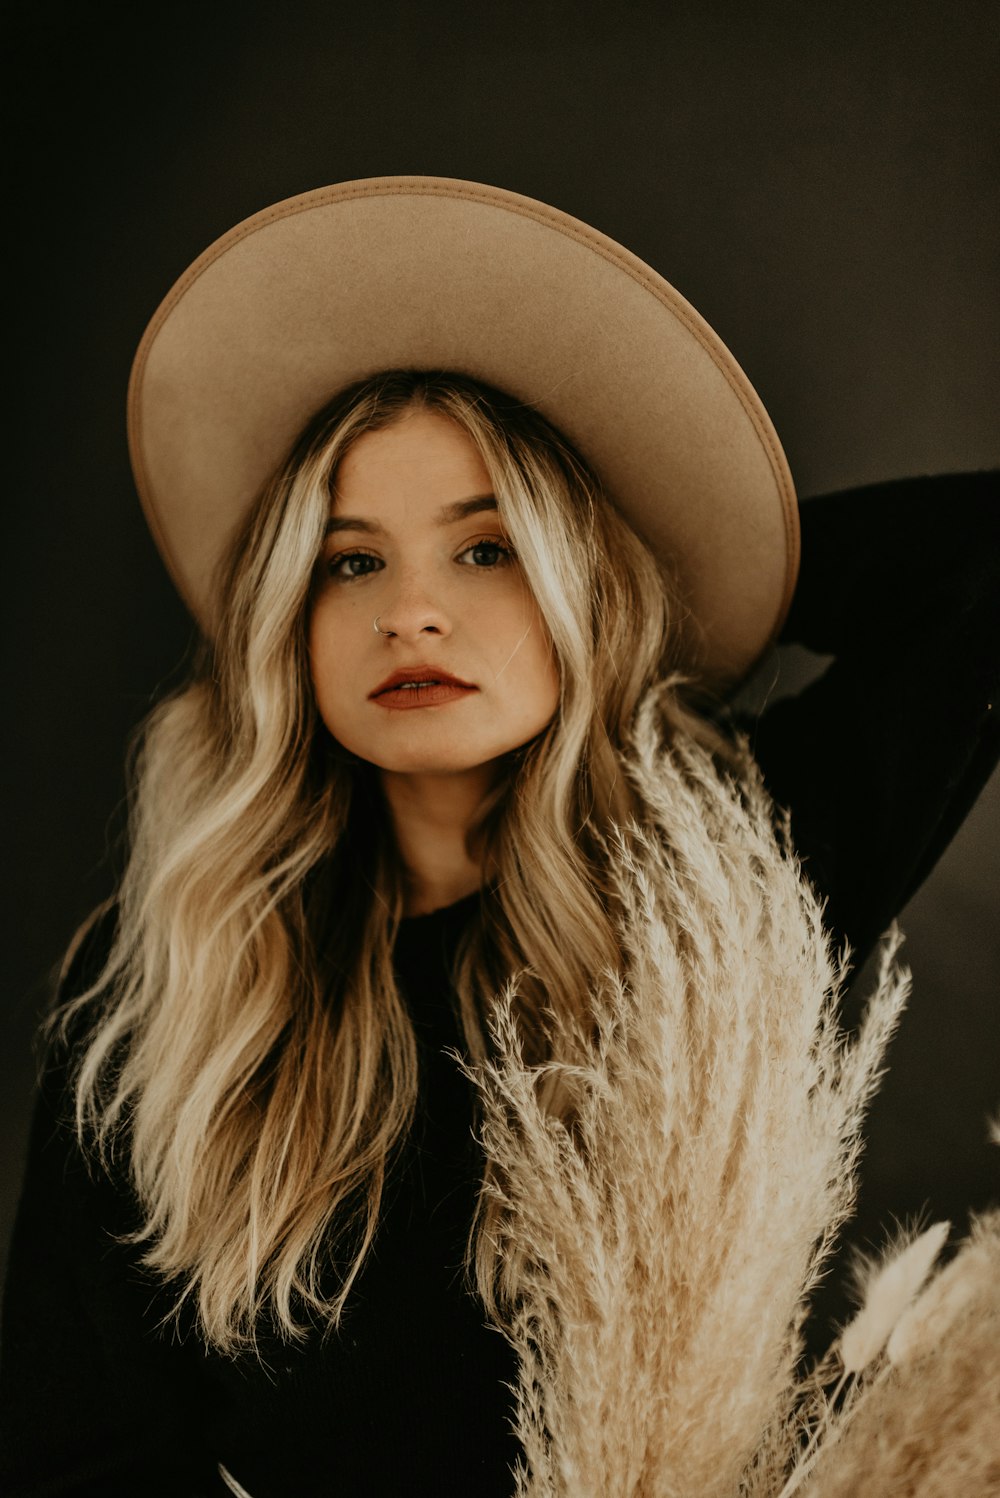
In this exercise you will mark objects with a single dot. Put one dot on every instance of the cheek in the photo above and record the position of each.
(543, 668)
(551, 689)
(323, 651)
(314, 650)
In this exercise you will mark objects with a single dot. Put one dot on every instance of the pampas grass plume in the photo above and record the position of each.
(970, 1276)
(889, 1290)
(662, 1240)
(930, 1429)
(660, 1253)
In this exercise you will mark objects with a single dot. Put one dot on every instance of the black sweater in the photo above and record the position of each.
(879, 761)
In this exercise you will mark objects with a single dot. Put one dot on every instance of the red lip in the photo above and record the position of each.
(420, 673)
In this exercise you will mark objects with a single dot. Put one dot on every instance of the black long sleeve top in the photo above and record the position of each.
(879, 761)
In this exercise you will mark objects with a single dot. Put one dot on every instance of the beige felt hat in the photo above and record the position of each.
(326, 288)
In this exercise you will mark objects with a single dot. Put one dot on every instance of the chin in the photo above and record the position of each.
(446, 762)
(437, 755)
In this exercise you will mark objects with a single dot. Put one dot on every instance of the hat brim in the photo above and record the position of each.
(329, 287)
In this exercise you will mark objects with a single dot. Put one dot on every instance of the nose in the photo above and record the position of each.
(414, 612)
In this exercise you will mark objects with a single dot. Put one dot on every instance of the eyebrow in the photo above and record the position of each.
(445, 516)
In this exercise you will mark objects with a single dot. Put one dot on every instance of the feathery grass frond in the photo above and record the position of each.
(929, 1424)
(660, 1244)
(667, 1240)
(889, 1285)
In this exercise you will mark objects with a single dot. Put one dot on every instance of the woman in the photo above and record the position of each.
(392, 783)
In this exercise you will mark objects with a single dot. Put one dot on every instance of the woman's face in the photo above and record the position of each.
(415, 540)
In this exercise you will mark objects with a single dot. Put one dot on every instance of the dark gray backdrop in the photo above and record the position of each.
(820, 181)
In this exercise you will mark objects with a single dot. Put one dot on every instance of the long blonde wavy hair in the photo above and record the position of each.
(249, 1044)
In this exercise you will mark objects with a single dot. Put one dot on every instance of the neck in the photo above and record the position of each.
(434, 818)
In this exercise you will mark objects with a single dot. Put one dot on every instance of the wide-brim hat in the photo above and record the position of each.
(326, 288)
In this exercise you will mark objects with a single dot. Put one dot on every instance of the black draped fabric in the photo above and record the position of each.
(879, 761)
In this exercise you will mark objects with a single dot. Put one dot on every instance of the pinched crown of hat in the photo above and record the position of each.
(330, 287)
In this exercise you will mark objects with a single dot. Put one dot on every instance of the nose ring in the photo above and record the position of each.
(381, 631)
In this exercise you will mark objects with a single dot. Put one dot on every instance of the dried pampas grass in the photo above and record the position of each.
(929, 1424)
(967, 1281)
(661, 1246)
(887, 1290)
